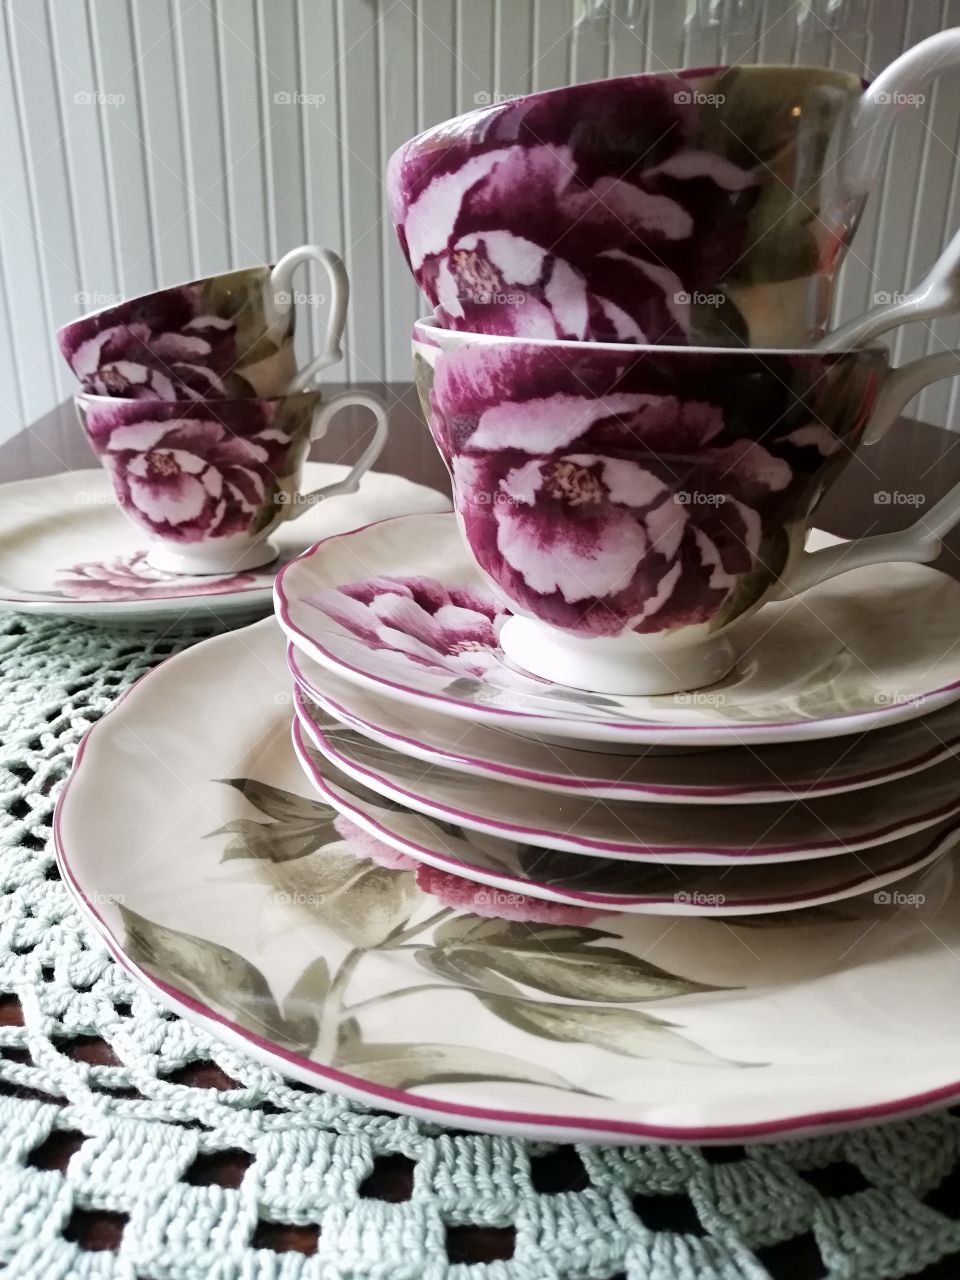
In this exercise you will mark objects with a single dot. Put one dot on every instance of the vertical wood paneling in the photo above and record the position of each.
(398, 121)
(321, 155)
(26, 297)
(552, 36)
(118, 109)
(246, 130)
(358, 73)
(864, 263)
(198, 71)
(148, 143)
(474, 53)
(591, 44)
(701, 34)
(163, 133)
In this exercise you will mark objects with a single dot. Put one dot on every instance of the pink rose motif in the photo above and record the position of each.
(132, 578)
(161, 347)
(480, 900)
(458, 892)
(364, 845)
(601, 495)
(453, 630)
(595, 214)
(194, 471)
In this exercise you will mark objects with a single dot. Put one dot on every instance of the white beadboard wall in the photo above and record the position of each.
(145, 142)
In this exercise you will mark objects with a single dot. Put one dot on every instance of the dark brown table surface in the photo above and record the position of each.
(878, 492)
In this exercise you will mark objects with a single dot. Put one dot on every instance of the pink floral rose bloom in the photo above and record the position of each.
(603, 493)
(453, 629)
(161, 347)
(132, 578)
(595, 213)
(192, 471)
(364, 845)
(481, 900)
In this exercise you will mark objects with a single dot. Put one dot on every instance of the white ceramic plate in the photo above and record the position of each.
(662, 888)
(687, 776)
(787, 831)
(67, 548)
(401, 607)
(329, 966)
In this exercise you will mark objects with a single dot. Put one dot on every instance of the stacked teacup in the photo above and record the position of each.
(626, 371)
(191, 398)
(619, 676)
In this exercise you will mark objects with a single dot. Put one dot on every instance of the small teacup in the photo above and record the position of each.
(631, 505)
(709, 206)
(224, 336)
(209, 480)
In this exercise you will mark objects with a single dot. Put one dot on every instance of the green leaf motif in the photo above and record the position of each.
(360, 901)
(300, 826)
(560, 960)
(412, 1066)
(216, 976)
(624, 1031)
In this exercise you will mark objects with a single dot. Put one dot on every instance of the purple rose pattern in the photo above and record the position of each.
(202, 470)
(600, 495)
(616, 210)
(453, 630)
(130, 577)
(188, 342)
(569, 220)
(457, 891)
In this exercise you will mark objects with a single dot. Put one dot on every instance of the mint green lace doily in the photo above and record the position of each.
(134, 1146)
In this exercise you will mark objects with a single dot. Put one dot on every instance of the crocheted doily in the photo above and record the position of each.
(134, 1146)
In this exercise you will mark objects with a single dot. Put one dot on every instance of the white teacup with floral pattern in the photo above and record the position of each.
(632, 504)
(227, 335)
(209, 480)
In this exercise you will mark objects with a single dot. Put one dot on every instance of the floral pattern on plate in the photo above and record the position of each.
(131, 577)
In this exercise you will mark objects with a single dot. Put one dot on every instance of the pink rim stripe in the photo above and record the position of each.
(620, 727)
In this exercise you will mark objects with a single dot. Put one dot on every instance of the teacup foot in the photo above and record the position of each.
(627, 665)
(201, 559)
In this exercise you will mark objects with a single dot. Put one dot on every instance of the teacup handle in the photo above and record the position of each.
(351, 482)
(937, 294)
(279, 298)
(881, 102)
(922, 542)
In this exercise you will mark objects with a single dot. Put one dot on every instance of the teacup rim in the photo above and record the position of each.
(97, 399)
(874, 349)
(167, 288)
(685, 73)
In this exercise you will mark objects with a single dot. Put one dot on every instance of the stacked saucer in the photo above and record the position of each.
(821, 767)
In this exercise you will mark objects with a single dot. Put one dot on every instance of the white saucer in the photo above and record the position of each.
(66, 548)
(401, 607)
(649, 888)
(682, 775)
(782, 831)
(389, 986)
